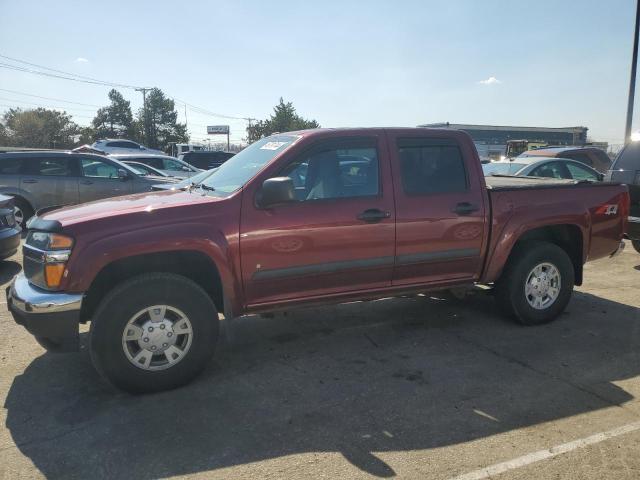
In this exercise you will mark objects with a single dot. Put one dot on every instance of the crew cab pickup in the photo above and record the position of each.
(301, 218)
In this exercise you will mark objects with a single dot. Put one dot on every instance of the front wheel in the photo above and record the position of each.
(154, 332)
(537, 283)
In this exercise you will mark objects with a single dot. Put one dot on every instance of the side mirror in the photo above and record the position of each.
(123, 174)
(275, 191)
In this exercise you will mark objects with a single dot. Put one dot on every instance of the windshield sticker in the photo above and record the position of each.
(272, 145)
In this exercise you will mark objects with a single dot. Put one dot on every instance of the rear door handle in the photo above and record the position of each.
(465, 208)
(373, 215)
(30, 180)
(86, 182)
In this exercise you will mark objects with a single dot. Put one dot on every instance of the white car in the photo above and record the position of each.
(119, 145)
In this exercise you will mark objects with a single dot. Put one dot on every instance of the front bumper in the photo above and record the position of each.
(52, 317)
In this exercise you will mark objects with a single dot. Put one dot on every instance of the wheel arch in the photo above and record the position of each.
(569, 237)
(192, 264)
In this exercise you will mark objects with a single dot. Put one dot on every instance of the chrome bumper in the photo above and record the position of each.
(29, 299)
(52, 317)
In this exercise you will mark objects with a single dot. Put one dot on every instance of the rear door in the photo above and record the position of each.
(339, 234)
(440, 208)
(100, 180)
(52, 180)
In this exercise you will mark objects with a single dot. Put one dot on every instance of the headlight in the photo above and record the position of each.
(45, 258)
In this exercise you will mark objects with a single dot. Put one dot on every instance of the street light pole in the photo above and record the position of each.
(632, 81)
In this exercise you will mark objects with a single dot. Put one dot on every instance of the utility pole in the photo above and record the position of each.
(632, 81)
(145, 128)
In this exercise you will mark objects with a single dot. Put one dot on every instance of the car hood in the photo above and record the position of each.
(128, 204)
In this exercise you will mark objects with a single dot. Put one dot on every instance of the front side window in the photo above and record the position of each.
(428, 167)
(97, 169)
(341, 172)
(578, 172)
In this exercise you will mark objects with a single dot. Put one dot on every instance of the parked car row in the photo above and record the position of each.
(44, 179)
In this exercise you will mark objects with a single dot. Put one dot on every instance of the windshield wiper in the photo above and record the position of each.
(202, 186)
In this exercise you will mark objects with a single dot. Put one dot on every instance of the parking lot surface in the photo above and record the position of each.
(419, 387)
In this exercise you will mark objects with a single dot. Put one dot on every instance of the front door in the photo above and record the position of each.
(440, 211)
(338, 236)
(100, 179)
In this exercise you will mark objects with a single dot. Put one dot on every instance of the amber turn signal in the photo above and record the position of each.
(53, 274)
(57, 241)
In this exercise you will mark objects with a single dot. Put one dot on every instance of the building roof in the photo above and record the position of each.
(463, 126)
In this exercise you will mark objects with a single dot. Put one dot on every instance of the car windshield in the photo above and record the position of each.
(501, 168)
(240, 168)
(628, 158)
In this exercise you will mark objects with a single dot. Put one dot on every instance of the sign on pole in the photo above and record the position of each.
(218, 129)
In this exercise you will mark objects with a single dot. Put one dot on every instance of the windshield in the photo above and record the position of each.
(240, 168)
(501, 168)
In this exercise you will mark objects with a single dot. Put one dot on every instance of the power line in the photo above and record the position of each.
(68, 74)
(73, 115)
(47, 106)
(48, 98)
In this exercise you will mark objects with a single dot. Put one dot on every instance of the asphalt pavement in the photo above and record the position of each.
(420, 387)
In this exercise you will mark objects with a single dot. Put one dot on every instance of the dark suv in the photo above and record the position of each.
(44, 179)
(626, 169)
(205, 159)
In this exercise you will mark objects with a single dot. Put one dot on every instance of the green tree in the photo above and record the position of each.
(160, 122)
(114, 120)
(284, 119)
(39, 128)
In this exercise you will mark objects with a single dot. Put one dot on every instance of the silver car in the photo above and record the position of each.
(44, 179)
(166, 164)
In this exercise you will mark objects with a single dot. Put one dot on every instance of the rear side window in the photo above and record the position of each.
(154, 162)
(121, 144)
(628, 158)
(578, 157)
(551, 170)
(428, 167)
(9, 166)
(51, 167)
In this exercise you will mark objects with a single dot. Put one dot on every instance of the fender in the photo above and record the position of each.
(522, 219)
(90, 258)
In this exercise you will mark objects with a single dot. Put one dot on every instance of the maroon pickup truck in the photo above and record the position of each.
(300, 218)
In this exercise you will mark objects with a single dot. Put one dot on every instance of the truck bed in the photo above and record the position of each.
(508, 182)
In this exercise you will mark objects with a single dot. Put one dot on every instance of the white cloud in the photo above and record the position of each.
(82, 60)
(490, 81)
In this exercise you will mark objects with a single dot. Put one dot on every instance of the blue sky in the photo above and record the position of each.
(344, 63)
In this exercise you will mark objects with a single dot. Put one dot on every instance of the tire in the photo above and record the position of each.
(511, 292)
(636, 245)
(22, 209)
(123, 361)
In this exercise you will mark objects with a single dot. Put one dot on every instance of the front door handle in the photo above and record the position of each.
(465, 208)
(30, 180)
(86, 182)
(373, 215)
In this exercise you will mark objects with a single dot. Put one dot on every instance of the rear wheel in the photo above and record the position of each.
(22, 211)
(636, 245)
(153, 332)
(537, 283)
